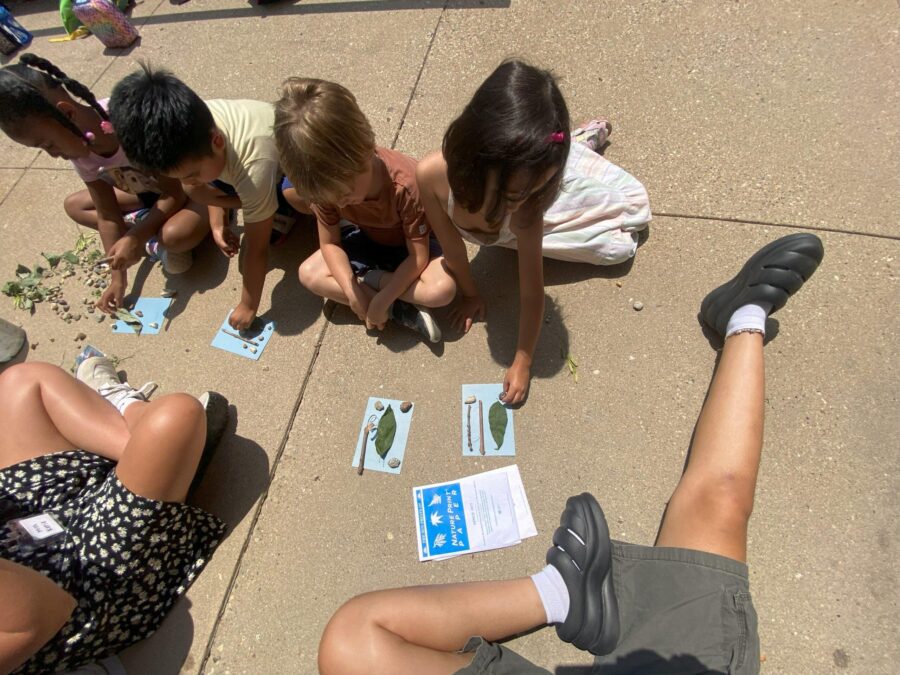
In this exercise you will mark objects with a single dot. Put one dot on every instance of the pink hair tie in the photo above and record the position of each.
(89, 137)
(107, 127)
(557, 137)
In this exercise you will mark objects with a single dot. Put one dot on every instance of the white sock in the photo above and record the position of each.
(750, 317)
(554, 594)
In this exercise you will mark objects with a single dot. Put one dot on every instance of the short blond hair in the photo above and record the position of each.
(324, 140)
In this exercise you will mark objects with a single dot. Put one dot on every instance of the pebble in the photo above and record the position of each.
(390, 536)
(99, 318)
(618, 284)
(638, 306)
(153, 324)
(379, 406)
(405, 407)
(187, 350)
(252, 350)
(393, 462)
(52, 339)
(266, 368)
(34, 345)
(138, 313)
(54, 306)
(80, 337)
(596, 372)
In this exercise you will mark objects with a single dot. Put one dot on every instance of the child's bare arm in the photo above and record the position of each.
(170, 202)
(531, 304)
(339, 265)
(430, 172)
(206, 194)
(255, 268)
(32, 610)
(111, 228)
(402, 278)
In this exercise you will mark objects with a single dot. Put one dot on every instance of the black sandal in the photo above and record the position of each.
(771, 275)
(582, 553)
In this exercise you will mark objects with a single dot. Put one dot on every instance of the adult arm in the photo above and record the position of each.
(32, 610)
(255, 267)
(431, 174)
(528, 228)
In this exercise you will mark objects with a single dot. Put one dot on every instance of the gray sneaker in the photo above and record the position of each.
(416, 318)
(99, 373)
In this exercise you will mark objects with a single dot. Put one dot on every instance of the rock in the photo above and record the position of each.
(393, 462)
(638, 306)
(67, 316)
(379, 406)
(595, 372)
(90, 310)
(54, 306)
(266, 368)
(405, 406)
(618, 284)
(153, 324)
(252, 350)
(34, 345)
(169, 293)
(100, 318)
(470, 399)
(80, 337)
(138, 313)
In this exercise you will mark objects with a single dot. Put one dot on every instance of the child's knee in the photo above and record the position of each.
(74, 205)
(309, 273)
(176, 415)
(441, 290)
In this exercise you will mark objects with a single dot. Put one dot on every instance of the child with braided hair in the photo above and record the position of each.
(41, 107)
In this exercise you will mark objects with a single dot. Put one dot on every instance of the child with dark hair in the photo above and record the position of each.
(223, 153)
(41, 107)
(376, 251)
(510, 175)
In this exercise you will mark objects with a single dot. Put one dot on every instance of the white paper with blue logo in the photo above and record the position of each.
(477, 513)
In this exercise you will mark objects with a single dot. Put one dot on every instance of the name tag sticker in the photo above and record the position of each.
(37, 530)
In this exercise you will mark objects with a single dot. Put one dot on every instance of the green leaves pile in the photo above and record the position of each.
(387, 429)
(29, 286)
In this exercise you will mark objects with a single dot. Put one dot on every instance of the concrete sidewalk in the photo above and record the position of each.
(745, 121)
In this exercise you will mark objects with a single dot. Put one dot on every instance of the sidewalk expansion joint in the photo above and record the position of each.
(767, 223)
(265, 494)
(415, 87)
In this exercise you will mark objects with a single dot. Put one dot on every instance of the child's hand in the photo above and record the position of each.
(227, 241)
(124, 253)
(112, 297)
(470, 309)
(241, 317)
(377, 314)
(515, 384)
(359, 301)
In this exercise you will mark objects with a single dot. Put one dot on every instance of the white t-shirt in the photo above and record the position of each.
(251, 159)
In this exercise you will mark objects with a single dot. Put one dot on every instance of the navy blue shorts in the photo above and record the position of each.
(366, 254)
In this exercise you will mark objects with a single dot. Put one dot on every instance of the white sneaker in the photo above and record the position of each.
(99, 373)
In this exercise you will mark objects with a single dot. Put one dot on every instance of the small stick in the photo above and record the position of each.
(236, 335)
(362, 454)
(481, 425)
(469, 426)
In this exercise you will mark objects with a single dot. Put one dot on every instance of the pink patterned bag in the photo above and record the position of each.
(105, 21)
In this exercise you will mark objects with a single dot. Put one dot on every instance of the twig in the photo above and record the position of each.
(362, 454)
(481, 425)
(243, 339)
(469, 427)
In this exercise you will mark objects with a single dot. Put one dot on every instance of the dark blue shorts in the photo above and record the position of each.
(366, 254)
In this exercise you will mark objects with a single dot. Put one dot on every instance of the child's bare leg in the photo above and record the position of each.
(315, 276)
(161, 457)
(435, 287)
(711, 505)
(418, 630)
(43, 410)
(186, 228)
(80, 206)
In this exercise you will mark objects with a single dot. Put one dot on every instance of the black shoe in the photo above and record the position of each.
(216, 407)
(582, 554)
(772, 275)
(416, 318)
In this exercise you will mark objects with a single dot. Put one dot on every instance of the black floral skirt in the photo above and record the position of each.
(124, 558)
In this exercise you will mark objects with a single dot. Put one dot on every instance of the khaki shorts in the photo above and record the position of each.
(680, 611)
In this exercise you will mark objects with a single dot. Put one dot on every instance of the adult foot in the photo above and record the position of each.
(99, 373)
(769, 277)
(416, 318)
(582, 553)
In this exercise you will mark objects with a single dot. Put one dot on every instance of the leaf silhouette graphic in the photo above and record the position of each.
(439, 541)
(436, 518)
(387, 429)
(498, 419)
(436, 499)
